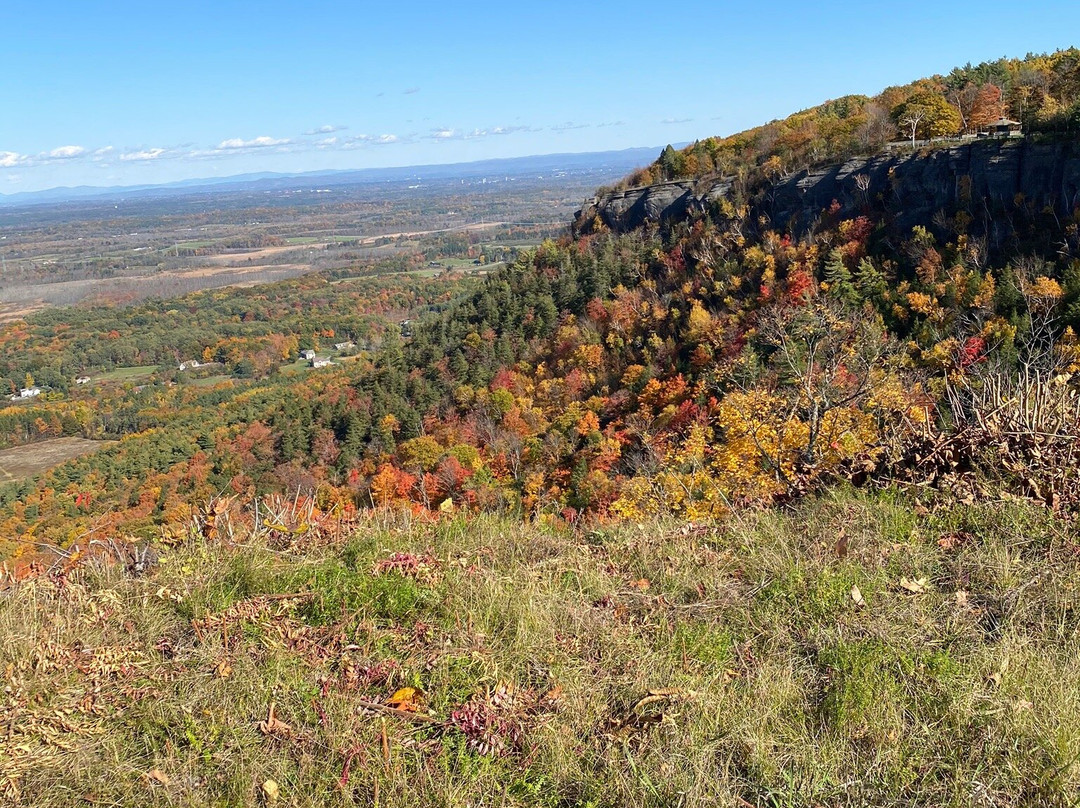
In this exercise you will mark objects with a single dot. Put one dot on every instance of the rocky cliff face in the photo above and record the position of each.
(983, 177)
(626, 210)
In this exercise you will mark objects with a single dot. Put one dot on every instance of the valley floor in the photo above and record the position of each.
(856, 650)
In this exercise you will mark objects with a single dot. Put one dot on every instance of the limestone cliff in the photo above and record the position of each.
(983, 177)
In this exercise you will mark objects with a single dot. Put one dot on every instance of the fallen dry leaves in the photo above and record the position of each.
(638, 718)
(90, 686)
(915, 586)
(408, 699)
(270, 791)
(274, 725)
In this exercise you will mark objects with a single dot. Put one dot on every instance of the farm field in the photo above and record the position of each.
(136, 372)
(20, 301)
(24, 462)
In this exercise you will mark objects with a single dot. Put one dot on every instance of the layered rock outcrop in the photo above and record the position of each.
(983, 177)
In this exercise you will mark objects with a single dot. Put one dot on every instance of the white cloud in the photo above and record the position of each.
(447, 133)
(356, 141)
(563, 127)
(143, 154)
(508, 130)
(10, 159)
(359, 141)
(260, 142)
(676, 120)
(325, 130)
(411, 91)
(66, 152)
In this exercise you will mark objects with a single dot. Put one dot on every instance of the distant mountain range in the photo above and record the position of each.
(608, 161)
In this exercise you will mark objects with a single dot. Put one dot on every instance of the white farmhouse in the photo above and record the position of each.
(26, 392)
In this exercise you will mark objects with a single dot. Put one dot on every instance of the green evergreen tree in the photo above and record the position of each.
(838, 277)
(870, 282)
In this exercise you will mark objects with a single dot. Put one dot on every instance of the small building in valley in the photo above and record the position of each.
(320, 362)
(307, 354)
(82, 380)
(26, 392)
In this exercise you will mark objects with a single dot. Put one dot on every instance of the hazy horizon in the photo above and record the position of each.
(630, 158)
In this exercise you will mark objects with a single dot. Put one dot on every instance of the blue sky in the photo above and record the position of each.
(107, 93)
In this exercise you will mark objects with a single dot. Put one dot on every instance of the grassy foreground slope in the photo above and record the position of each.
(855, 649)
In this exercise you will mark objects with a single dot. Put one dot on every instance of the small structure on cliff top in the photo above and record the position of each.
(1003, 127)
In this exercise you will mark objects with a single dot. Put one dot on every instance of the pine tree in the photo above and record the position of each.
(870, 283)
(838, 277)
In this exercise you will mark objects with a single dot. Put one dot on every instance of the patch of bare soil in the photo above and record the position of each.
(24, 462)
(238, 259)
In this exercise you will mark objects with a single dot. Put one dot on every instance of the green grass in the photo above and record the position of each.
(771, 685)
(133, 373)
(468, 266)
(299, 366)
(301, 240)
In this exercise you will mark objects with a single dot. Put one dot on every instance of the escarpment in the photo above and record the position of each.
(985, 178)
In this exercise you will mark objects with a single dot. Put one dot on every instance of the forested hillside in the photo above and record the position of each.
(689, 365)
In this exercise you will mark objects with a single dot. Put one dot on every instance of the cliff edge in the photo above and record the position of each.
(983, 177)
